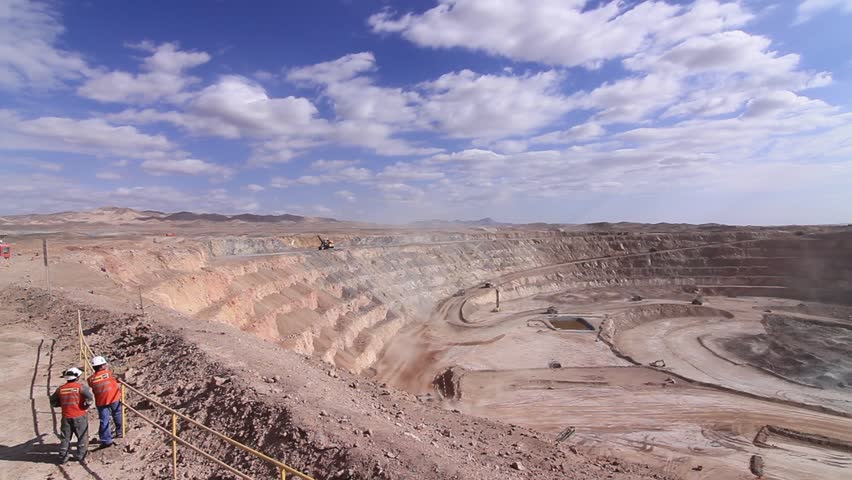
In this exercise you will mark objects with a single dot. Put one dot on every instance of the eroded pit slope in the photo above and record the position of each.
(345, 305)
(808, 351)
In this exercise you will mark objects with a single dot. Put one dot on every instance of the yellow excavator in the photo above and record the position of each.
(325, 243)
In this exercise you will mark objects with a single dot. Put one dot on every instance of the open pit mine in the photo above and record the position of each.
(446, 350)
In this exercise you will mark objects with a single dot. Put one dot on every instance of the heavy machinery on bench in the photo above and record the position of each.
(325, 243)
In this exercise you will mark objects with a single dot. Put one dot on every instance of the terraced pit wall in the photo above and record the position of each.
(345, 305)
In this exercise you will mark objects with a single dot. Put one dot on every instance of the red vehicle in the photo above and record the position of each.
(5, 251)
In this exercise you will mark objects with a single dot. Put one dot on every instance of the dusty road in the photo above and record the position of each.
(634, 409)
(693, 431)
(29, 446)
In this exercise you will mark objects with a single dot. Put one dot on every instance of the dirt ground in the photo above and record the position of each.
(33, 359)
(325, 421)
(26, 361)
(329, 359)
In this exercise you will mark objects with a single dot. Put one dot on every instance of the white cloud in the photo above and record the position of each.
(808, 9)
(236, 107)
(354, 96)
(280, 182)
(777, 130)
(108, 176)
(466, 104)
(377, 137)
(335, 71)
(167, 58)
(32, 163)
(367, 115)
(404, 171)
(401, 192)
(728, 52)
(245, 107)
(97, 137)
(699, 104)
(195, 124)
(558, 32)
(93, 136)
(708, 75)
(29, 55)
(460, 104)
(186, 166)
(264, 76)
(632, 99)
(51, 193)
(163, 78)
(506, 146)
(781, 101)
(333, 164)
(345, 195)
(578, 133)
(343, 175)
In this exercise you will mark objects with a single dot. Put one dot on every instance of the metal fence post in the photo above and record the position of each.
(80, 341)
(141, 302)
(87, 367)
(46, 266)
(123, 411)
(174, 446)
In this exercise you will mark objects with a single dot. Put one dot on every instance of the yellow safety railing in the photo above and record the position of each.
(85, 352)
(86, 355)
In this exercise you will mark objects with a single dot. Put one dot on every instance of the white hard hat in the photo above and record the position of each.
(72, 373)
(98, 361)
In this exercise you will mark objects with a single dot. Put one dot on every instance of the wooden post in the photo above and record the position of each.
(498, 298)
(174, 446)
(46, 267)
(283, 474)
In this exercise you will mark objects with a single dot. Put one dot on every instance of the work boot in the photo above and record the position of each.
(63, 460)
(82, 458)
(106, 445)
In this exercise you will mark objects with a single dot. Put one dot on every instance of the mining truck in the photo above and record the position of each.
(5, 250)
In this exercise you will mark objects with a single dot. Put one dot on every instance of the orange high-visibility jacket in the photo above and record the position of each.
(72, 399)
(105, 388)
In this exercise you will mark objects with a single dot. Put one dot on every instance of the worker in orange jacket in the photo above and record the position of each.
(107, 400)
(75, 399)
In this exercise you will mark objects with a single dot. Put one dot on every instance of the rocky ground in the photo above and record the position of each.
(808, 351)
(327, 360)
(326, 422)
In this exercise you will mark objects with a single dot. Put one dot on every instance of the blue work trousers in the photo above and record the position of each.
(112, 410)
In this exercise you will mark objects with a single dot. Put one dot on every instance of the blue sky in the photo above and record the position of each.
(554, 110)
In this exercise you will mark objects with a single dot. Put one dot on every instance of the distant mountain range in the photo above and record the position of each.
(123, 216)
(482, 222)
(244, 217)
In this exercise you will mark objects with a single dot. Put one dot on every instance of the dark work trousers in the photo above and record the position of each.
(113, 410)
(80, 428)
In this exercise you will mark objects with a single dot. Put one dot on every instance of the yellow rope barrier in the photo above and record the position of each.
(86, 354)
(218, 435)
(174, 446)
(189, 445)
